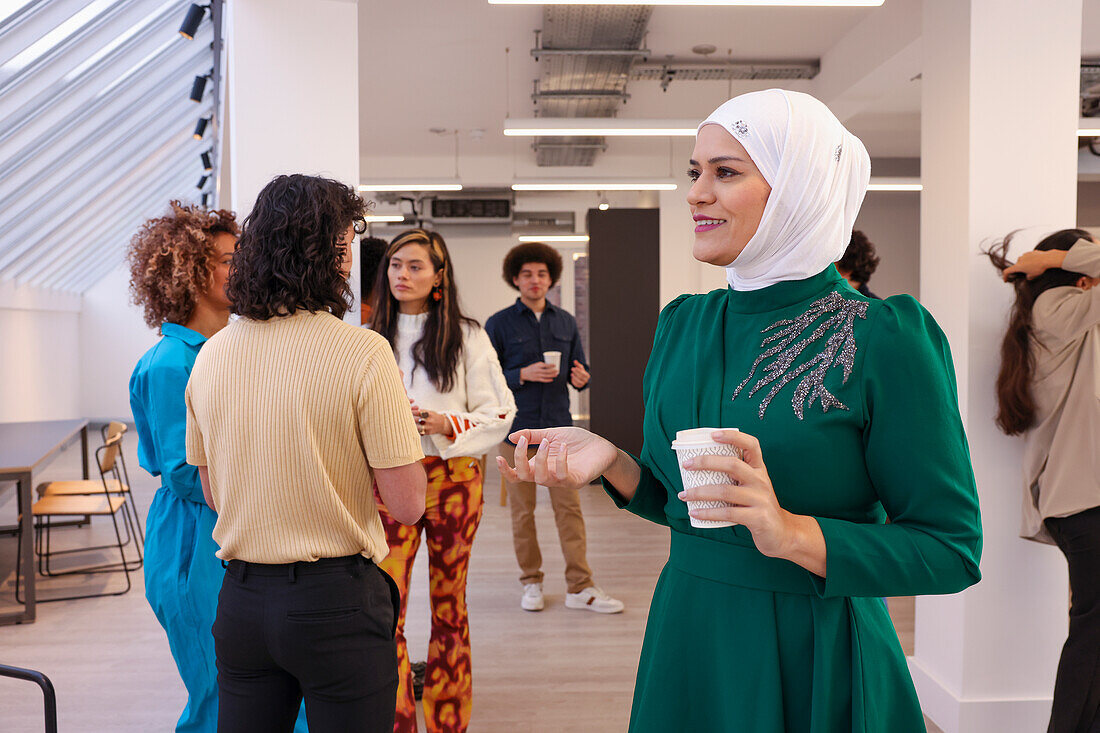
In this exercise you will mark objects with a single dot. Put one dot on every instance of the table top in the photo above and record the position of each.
(25, 445)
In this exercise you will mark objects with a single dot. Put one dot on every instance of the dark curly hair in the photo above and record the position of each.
(523, 254)
(859, 259)
(1015, 404)
(440, 347)
(289, 255)
(372, 250)
(172, 260)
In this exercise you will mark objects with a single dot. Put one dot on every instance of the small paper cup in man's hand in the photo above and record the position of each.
(691, 444)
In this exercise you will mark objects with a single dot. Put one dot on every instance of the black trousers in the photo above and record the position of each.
(1077, 687)
(323, 630)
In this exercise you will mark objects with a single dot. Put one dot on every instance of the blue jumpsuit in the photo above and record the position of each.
(182, 575)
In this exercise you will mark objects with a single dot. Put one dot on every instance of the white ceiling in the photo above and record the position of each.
(442, 63)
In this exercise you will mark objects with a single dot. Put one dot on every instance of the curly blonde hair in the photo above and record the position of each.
(172, 260)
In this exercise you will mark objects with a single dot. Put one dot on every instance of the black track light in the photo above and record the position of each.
(199, 86)
(200, 127)
(206, 164)
(202, 182)
(206, 201)
(192, 20)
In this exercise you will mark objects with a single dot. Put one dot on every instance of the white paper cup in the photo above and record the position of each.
(553, 358)
(697, 442)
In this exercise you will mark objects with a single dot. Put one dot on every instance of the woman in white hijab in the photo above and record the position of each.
(844, 412)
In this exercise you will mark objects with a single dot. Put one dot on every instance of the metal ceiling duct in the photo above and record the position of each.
(576, 79)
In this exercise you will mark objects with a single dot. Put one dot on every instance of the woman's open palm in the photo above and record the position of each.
(566, 457)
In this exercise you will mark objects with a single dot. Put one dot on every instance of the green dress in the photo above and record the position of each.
(854, 404)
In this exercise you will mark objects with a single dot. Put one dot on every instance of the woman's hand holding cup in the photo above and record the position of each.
(566, 457)
(750, 497)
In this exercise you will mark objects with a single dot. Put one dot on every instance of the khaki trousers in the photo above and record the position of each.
(570, 522)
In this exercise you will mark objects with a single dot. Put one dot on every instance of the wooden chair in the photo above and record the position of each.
(106, 503)
(94, 487)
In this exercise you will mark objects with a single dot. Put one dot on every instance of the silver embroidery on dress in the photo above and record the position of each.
(786, 346)
(837, 152)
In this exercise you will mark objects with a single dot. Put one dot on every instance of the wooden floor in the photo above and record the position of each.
(557, 671)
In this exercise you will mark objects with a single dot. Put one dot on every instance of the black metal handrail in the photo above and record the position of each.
(48, 695)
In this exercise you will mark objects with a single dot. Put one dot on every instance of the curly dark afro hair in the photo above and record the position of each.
(859, 259)
(172, 260)
(527, 253)
(290, 253)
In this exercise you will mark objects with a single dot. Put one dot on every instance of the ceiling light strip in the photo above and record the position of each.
(744, 3)
(554, 238)
(594, 186)
(384, 218)
(413, 186)
(572, 127)
(895, 184)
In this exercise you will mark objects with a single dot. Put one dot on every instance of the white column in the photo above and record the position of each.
(293, 95)
(998, 152)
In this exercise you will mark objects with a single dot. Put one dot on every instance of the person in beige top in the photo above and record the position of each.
(1048, 390)
(291, 414)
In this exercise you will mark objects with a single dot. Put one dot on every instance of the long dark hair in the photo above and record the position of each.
(289, 255)
(1015, 404)
(440, 347)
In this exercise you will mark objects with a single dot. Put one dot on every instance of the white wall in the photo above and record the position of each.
(891, 220)
(40, 356)
(113, 336)
(293, 95)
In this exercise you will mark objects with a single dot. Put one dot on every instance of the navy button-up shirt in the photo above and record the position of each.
(520, 339)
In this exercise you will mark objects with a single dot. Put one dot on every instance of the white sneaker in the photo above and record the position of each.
(593, 599)
(532, 597)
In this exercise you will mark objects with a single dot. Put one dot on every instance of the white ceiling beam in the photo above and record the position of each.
(875, 58)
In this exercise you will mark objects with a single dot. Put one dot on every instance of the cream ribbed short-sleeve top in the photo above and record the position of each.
(290, 415)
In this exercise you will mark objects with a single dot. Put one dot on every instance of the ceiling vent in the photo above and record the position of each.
(585, 54)
(543, 222)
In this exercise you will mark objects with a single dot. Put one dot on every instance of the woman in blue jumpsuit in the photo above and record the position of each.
(178, 267)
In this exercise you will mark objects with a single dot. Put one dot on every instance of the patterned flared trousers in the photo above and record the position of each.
(453, 510)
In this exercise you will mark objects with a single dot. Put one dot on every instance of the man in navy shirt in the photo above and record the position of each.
(521, 334)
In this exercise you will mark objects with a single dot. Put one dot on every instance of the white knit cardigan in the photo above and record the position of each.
(480, 407)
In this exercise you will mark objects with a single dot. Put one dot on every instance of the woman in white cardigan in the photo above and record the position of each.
(463, 407)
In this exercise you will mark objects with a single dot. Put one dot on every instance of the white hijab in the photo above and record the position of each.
(818, 172)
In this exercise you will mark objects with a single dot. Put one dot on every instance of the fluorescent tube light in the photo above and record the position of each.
(895, 184)
(589, 127)
(1088, 132)
(757, 3)
(554, 238)
(380, 218)
(593, 186)
(414, 186)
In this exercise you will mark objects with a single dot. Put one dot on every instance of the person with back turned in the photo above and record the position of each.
(292, 414)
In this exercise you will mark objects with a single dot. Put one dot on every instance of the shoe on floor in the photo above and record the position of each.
(418, 671)
(532, 597)
(593, 599)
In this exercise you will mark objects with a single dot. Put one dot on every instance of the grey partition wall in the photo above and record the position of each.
(624, 277)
